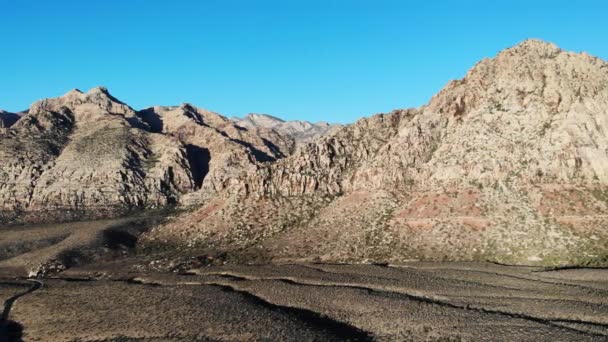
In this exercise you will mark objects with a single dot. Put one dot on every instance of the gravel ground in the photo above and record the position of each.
(314, 302)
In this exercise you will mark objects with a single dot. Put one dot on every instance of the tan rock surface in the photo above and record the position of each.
(87, 154)
(508, 164)
(296, 131)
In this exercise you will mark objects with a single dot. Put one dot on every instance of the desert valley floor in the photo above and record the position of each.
(126, 296)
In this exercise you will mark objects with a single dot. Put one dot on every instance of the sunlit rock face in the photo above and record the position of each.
(507, 164)
(7, 120)
(87, 155)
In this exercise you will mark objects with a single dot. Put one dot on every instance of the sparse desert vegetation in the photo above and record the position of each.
(481, 215)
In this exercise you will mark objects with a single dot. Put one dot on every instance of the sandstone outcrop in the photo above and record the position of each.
(507, 164)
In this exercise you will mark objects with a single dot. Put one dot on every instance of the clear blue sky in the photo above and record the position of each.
(334, 60)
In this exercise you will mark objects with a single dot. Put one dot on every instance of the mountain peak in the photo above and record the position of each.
(103, 93)
(95, 92)
(188, 107)
(99, 90)
(299, 131)
(7, 119)
(533, 47)
(532, 74)
(97, 100)
(533, 43)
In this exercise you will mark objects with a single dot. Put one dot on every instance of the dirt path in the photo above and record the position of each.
(9, 330)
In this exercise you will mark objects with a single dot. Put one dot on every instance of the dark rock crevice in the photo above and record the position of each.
(199, 159)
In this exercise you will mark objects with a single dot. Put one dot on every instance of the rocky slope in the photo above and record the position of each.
(507, 164)
(87, 152)
(90, 155)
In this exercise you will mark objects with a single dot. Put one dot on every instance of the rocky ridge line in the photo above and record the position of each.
(89, 155)
(507, 164)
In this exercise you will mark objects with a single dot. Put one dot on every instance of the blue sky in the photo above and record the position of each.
(332, 60)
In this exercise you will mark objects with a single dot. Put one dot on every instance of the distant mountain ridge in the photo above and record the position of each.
(299, 131)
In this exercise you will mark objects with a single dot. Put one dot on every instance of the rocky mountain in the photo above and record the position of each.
(90, 155)
(507, 164)
(297, 131)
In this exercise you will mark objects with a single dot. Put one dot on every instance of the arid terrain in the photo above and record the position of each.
(480, 216)
(322, 302)
(507, 164)
(113, 290)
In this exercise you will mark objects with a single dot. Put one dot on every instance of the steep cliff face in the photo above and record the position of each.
(507, 164)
